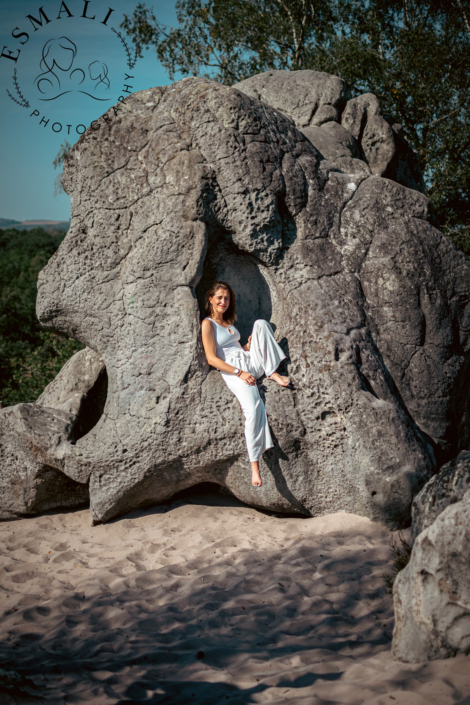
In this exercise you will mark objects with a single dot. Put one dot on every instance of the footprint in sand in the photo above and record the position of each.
(36, 614)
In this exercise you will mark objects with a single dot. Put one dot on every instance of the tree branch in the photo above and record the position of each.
(286, 8)
(444, 117)
(464, 15)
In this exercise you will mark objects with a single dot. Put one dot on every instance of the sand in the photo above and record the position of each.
(205, 600)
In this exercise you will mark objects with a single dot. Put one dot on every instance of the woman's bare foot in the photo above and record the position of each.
(280, 379)
(255, 476)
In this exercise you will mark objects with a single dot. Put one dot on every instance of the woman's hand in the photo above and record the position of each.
(247, 346)
(249, 379)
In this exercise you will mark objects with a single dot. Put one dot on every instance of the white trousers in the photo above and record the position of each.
(263, 357)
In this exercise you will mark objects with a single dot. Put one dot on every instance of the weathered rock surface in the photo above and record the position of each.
(308, 97)
(446, 488)
(32, 442)
(337, 146)
(75, 380)
(35, 437)
(371, 304)
(357, 113)
(432, 594)
(322, 107)
(378, 144)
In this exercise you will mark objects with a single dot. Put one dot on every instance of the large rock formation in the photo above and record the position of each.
(370, 302)
(34, 437)
(432, 594)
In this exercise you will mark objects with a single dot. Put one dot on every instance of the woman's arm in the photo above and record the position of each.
(208, 341)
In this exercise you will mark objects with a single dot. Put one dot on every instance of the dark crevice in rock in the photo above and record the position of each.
(361, 153)
(289, 227)
(54, 489)
(365, 384)
(91, 408)
(187, 376)
(459, 437)
(422, 339)
(433, 448)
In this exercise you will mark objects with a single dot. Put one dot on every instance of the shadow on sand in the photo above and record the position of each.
(215, 629)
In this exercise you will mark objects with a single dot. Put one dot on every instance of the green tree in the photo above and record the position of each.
(229, 41)
(58, 162)
(413, 54)
(30, 357)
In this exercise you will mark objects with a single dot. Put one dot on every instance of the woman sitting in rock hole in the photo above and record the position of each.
(242, 366)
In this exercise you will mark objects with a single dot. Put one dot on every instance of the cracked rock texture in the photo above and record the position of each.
(369, 301)
(349, 133)
(30, 441)
(33, 437)
(75, 380)
(446, 488)
(432, 594)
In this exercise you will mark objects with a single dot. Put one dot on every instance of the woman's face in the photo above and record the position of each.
(220, 301)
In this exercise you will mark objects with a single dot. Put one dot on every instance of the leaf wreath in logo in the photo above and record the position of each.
(22, 100)
(131, 62)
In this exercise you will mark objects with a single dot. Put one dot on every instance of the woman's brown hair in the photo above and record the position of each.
(229, 315)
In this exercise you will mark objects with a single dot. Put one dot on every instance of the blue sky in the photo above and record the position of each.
(29, 147)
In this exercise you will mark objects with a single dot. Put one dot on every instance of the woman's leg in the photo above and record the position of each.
(257, 434)
(265, 353)
(256, 480)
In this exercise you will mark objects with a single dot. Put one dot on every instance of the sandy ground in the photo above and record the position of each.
(284, 609)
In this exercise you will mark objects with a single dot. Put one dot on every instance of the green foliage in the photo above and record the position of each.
(31, 373)
(30, 357)
(459, 234)
(413, 54)
(233, 40)
(401, 557)
(59, 161)
(62, 154)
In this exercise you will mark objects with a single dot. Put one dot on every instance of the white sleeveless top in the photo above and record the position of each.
(225, 343)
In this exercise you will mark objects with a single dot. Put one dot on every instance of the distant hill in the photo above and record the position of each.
(5, 223)
(48, 225)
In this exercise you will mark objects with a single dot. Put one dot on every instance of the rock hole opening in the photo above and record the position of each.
(91, 409)
(202, 488)
(242, 272)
